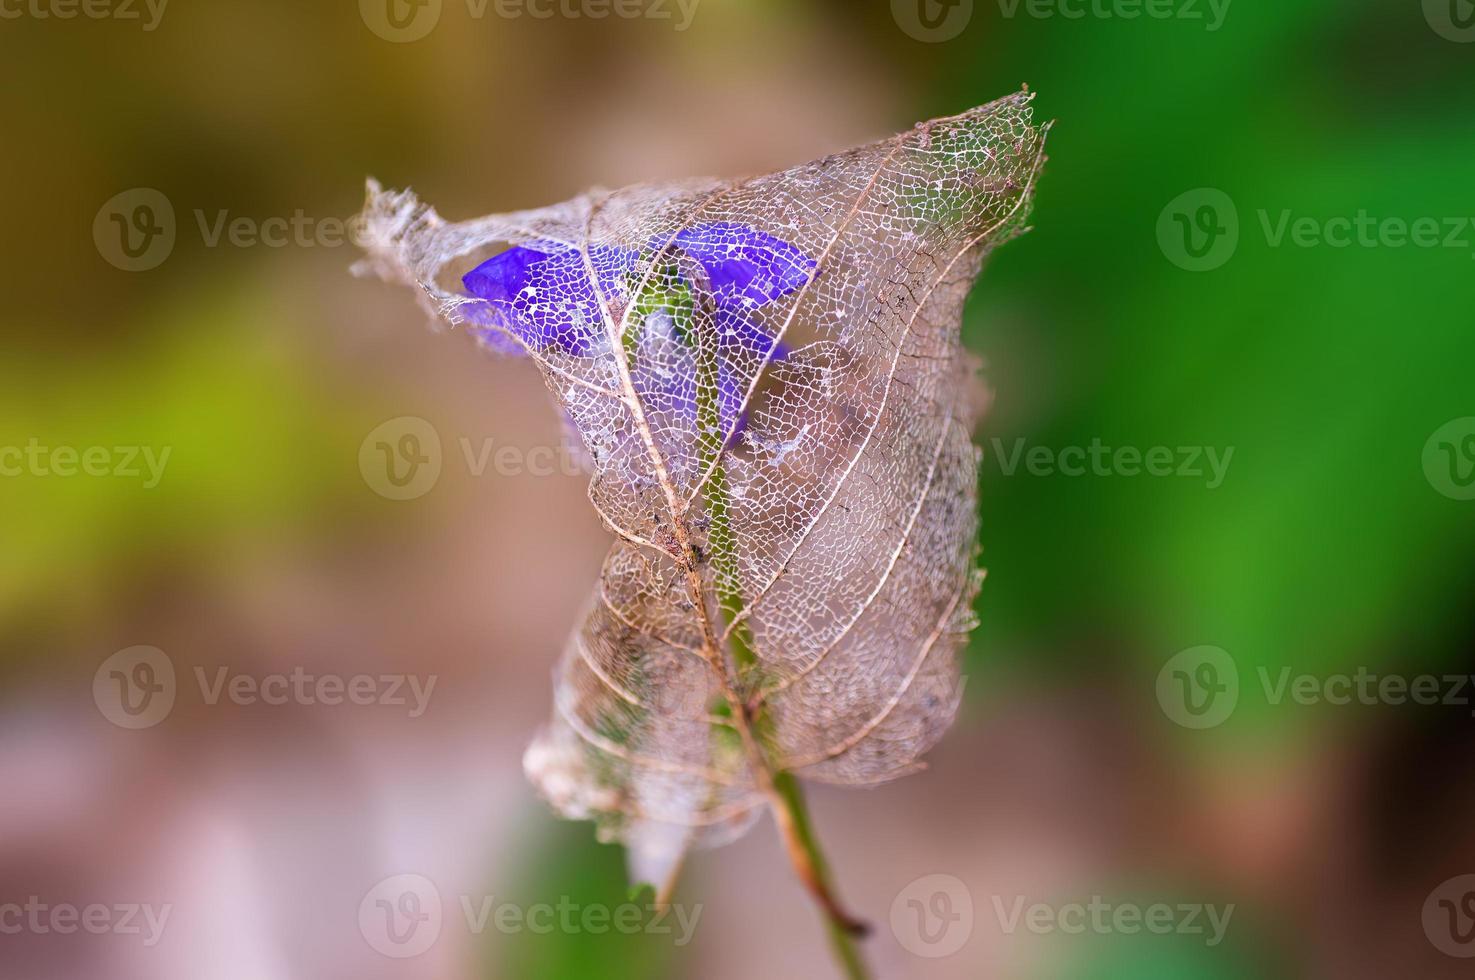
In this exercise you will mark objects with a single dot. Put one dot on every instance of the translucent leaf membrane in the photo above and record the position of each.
(767, 377)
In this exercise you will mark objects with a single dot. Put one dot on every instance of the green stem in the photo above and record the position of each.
(790, 812)
(842, 935)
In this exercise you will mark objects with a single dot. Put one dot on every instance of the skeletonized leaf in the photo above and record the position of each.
(767, 377)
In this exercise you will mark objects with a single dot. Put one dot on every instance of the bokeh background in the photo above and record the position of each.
(1338, 539)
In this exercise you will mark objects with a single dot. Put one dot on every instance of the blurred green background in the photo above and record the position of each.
(1331, 544)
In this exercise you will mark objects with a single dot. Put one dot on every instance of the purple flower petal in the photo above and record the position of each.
(542, 293)
(736, 329)
(746, 267)
(674, 396)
